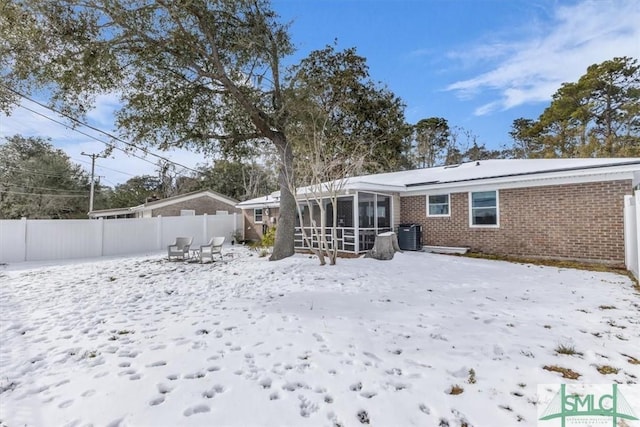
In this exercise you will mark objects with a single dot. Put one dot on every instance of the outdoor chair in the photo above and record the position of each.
(211, 249)
(180, 248)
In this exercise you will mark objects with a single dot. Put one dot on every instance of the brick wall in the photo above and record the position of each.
(202, 205)
(253, 231)
(580, 222)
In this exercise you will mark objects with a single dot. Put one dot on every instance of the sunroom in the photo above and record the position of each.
(360, 216)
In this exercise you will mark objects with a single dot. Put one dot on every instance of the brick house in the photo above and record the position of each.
(195, 203)
(258, 215)
(539, 208)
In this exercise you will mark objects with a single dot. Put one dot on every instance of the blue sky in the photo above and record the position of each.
(478, 63)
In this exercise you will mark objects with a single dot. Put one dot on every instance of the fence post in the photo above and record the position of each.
(235, 225)
(24, 237)
(101, 231)
(205, 229)
(159, 231)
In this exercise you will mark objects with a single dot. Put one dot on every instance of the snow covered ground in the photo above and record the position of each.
(141, 341)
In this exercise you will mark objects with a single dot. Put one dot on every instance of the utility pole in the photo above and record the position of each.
(93, 167)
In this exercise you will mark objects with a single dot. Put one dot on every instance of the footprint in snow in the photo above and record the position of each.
(372, 356)
(156, 401)
(306, 406)
(356, 387)
(195, 375)
(131, 354)
(198, 409)
(394, 371)
(65, 404)
(424, 408)
(156, 364)
(216, 389)
(265, 383)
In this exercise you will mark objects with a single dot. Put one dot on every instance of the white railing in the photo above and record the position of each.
(39, 240)
(345, 239)
(632, 233)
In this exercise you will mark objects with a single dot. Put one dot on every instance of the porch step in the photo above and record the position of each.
(445, 249)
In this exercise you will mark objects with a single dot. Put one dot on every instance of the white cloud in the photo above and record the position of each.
(533, 68)
(105, 107)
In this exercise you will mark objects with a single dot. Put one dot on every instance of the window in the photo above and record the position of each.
(187, 212)
(257, 215)
(438, 205)
(484, 209)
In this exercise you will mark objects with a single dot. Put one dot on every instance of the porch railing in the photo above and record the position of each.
(345, 238)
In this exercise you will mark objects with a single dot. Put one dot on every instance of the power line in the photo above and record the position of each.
(85, 134)
(31, 171)
(101, 167)
(110, 182)
(42, 194)
(43, 188)
(144, 150)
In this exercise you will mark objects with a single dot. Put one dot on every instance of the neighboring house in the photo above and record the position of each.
(259, 214)
(545, 208)
(195, 203)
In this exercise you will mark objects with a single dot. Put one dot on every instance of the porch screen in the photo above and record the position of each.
(374, 210)
(345, 213)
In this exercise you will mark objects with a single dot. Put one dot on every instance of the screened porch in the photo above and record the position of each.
(355, 229)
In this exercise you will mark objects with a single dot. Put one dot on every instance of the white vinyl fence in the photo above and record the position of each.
(39, 240)
(632, 233)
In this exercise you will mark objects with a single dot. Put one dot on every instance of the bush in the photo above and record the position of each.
(269, 238)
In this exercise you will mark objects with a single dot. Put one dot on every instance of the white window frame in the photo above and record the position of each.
(497, 224)
(255, 215)
(187, 212)
(448, 205)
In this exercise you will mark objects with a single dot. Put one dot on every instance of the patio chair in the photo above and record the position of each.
(214, 247)
(180, 248)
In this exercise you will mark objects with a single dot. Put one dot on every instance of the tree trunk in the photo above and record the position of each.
(385, 246)
(283, 245)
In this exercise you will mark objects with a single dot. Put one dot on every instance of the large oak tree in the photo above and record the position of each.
(195, 73)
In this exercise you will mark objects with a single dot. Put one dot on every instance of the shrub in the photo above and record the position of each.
(269, 238)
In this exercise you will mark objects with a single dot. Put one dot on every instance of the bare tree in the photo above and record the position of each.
(332, 102)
